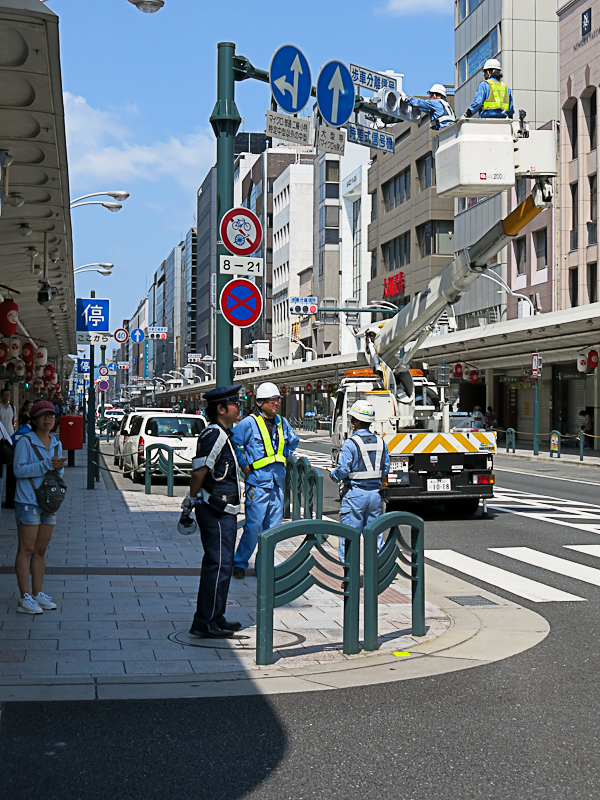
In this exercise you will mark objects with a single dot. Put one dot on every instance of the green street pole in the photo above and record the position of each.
(91, 420)
(225, 121)
(536, 421)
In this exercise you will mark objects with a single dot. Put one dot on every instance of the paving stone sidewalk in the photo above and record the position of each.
(126, 583)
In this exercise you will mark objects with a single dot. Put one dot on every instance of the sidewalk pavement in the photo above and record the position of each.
(126, 582)
(591, 458)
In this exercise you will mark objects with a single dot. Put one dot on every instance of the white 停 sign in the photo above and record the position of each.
(238, 265)
(330, 140)
(292, 129)
(92, 338)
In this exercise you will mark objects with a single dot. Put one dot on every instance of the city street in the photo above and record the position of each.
(522, 726)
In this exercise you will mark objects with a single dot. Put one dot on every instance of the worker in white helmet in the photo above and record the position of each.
(362, 464)
(439, 109)
(263, 441)
(493, 99)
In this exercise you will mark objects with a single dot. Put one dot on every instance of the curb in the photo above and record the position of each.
(545, 458)
(478, 635)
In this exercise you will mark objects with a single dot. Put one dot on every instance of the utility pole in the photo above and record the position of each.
(536, 416)
(91, 420)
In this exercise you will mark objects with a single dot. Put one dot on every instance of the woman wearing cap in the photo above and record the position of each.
(34, 525)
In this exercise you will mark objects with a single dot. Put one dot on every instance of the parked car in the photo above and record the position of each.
(123, 432)
(179, 431)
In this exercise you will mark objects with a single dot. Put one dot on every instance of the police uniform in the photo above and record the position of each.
(217, 508)
(493, 100)
(266, 452)
(363, 461)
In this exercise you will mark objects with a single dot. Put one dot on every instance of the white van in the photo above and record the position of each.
(179, 431)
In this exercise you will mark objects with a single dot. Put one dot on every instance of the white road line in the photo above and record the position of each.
(588, 549)
(541, 475)
(514, 584)
(561, 566)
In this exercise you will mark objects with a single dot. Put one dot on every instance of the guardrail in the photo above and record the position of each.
(162, 463)
(303, 490)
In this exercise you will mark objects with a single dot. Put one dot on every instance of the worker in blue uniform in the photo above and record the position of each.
(215, 493)
(439, 109)
(264, 440)
(493, 99)
(362, 464)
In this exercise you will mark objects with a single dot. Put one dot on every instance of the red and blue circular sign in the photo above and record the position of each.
(241, 231)
(103, 386)
(241, 303)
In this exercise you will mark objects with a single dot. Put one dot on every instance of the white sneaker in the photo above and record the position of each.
(44, 601)
(27, 605)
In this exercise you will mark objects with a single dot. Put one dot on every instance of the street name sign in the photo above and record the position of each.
(103, 385)
(156, 332)
(369, 79)
(93, 338)
(103, 371)
(121, 335)
(241, 303)
(137, 335)
(290, 79)
(335, 93)
(330, 140)
(241, 231)
(83, 366)
(92, 315)
(292, 129)
(370, 137)
(238, 265)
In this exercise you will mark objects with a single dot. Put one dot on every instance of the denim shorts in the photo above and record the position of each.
(29, 514)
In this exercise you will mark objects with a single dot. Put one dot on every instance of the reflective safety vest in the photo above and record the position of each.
(271, 457)
(370, 470)
(448, 116)
(498, 99)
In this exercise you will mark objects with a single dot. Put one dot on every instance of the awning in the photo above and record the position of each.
(32, 133)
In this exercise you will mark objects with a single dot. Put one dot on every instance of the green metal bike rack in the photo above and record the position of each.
(303, 490)
(281, 584)
(380, 569)
(161, 463)
(510, 439)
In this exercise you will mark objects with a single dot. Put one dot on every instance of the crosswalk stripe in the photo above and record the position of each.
(561, 566)
(503, 579)
(587, 549)
(319, 460)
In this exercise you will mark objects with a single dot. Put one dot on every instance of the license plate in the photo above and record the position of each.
(434, 485)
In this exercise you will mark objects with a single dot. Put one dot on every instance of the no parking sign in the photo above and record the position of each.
(241, 303)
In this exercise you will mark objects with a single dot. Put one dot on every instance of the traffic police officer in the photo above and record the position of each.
(215, 490)
(363, 461)
(438, 108)
(264, 440)
(493, 99)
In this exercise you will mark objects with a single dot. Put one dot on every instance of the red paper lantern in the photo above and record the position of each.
(41, 356)
(592, 359)
(329, 388)
(36, 386)
(474, 375)
(250, 394)
(319, 384)
(9, 317)
(458, 370)
(308, 387)
(28, 373)
(48, 372)
(3, 353)
(28, 352)
(57, 387)
(283, 390)
(582, 362)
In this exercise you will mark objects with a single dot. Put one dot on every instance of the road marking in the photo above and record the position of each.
(503, 579)
(320, 460)
(542, 508)
(541, 475)
(588, 549)
(561, 566)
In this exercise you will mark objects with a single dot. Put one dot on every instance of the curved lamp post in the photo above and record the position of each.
(118, 197)
(148, 6)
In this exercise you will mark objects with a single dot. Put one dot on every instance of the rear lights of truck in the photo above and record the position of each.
(483, 480)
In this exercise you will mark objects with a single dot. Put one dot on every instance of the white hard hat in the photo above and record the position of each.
(363, 411)
(492, 63)
(437, 88)
(267, 390)
(187, 524)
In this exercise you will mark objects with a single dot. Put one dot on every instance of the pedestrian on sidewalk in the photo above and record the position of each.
(3, 435)
(362, 464)
(264, 441)
(587, 426)
(215, 493)
(36, 453)
(24, 414)
(489, 419)
(478, 418)
(8, 418)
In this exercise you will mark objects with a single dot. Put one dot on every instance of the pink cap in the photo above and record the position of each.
(40, 407)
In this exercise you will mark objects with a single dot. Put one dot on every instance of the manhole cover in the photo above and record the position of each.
(472, 600)
(242, 640)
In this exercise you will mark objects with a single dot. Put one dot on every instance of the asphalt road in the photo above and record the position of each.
(526, 727)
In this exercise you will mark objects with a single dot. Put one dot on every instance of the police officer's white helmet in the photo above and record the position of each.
(187, 524)
(492, 63)
(437, 88)
(267, 390)
(363, 411)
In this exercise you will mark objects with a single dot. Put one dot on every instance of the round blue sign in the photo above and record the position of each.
(290, 78)
(241, 302)
(335, 94)
(137, 335)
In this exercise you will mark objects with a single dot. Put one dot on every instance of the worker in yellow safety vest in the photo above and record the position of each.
(263, 442)
(493, 99)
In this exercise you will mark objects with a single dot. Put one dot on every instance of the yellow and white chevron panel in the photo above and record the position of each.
(404, 444)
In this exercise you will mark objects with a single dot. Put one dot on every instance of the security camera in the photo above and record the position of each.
(46, 293)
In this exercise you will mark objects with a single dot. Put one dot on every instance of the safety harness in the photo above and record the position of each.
(270, 457)
(220, 502)
(498, 99)
(371, 470)
(447, 117)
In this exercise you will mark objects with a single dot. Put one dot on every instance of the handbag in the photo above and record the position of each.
(7, 452)
(52, 490)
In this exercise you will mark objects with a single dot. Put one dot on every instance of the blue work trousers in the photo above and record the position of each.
(359, 507)
(264, 510)
(218, 532)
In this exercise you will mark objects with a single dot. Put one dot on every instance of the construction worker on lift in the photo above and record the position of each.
(263, 441)
(362, 464)
(493, 99)
(438, 107)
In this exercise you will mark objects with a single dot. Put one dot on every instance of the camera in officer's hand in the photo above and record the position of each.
(46, 293)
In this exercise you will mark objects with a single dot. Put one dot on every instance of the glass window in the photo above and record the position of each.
(574, 132)
(136, 424)
(444, 238)
(373, 264)
(473, 5)
(462, 71)
(477, 57)
(593, 197)
(332, 216)
(332, 236)
(356, 248)
(424, 239)
(574, 287)
(173, 426)
(521, 254)
(374, 206)
(332, 190)
(574, 206)
(461, 10)
(592, 281)
(332, 171)
(425, 172)
(593, 121)
(521, 187)
(540, 239)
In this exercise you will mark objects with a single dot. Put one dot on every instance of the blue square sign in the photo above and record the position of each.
(83, 366)
(92, 315)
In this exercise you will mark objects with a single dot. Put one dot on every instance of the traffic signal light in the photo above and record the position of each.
(303, 305)
(390, 102)
(352, 317)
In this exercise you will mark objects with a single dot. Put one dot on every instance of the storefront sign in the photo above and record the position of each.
(393, 285)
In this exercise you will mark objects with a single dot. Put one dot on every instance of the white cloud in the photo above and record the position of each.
(101, 146)
(404, 7)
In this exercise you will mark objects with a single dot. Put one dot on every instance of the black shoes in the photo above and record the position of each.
(229, 626)
(239, 573)
(213, 632)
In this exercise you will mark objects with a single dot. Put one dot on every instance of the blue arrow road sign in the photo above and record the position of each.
(112, 367)
(83, 366)
(290, 79)
(335, 93)
(92, 315)
(137, 335)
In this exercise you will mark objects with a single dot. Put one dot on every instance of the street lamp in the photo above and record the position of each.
(506, 288)
(111, 205)
(101, 271)
(195, 366)
(104, 268)
(293, 339)
(148, 6)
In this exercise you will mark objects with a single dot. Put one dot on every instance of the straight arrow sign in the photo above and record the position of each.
(337, 85)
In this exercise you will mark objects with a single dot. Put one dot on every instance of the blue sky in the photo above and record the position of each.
(139, 89)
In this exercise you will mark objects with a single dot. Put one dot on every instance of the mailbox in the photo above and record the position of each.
(70, 432)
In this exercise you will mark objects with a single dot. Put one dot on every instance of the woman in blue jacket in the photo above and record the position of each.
(34, 526)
